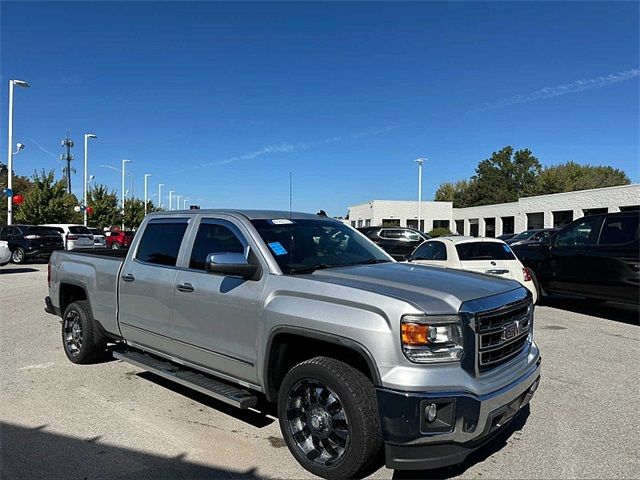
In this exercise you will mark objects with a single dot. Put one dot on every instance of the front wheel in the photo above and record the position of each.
(329, 418)
(18, 255)
(115, 246)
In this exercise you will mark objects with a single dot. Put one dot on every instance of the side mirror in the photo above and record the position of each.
(408, 258)
(233, 264)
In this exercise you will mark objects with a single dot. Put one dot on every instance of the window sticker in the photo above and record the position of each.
(277, 248)
(506, 248)
(281, 221)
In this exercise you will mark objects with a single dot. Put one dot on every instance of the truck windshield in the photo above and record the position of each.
(305, 245)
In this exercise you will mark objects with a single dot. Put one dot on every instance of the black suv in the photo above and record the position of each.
(399, 242)
(596, 257)
(31, 241)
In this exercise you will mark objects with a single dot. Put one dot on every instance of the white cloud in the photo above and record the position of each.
(42, 149)
(558, 90)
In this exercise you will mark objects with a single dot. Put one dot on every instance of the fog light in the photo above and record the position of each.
(430, 412)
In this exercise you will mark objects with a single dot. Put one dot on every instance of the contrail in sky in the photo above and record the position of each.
(286, 147)
(42, 149)
(558, 90)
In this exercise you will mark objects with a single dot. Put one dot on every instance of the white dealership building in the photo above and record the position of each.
(544, 211)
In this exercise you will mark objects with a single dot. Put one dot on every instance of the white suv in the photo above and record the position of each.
(76, 237)
(485, 255)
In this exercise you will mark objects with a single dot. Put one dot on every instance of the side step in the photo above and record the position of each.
(201, 382)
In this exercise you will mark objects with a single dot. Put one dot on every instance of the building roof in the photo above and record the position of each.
(250, 214)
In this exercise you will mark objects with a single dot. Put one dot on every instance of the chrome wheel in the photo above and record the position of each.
(317, 422)
(17, 256)
(73, 333)
(115, 246)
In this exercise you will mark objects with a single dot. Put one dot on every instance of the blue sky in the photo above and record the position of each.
(220, 101)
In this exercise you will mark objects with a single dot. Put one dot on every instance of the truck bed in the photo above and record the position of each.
(97, 272)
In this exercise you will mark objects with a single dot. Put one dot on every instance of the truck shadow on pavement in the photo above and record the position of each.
(478, 456)
(37, 453)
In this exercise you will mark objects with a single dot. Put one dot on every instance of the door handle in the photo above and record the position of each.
(128, 277)
(185, 287)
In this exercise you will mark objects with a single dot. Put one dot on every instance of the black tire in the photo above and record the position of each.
(318, 426)
(81, 341)
(115, 246)
(18, 256)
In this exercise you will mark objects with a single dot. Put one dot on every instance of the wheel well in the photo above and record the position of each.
(70, 293)
(289, 349)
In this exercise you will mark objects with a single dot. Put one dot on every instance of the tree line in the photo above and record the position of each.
(46, 200)
(509, 175)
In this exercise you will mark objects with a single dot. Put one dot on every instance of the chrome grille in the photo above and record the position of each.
(502, 333)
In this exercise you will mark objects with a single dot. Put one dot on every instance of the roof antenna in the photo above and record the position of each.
(290, 193)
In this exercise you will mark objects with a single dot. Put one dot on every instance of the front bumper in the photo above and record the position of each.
(468, 422)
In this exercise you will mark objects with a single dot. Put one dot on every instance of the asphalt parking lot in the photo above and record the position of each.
(113, 421)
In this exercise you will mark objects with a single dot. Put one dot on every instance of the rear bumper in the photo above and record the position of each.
(464, 422)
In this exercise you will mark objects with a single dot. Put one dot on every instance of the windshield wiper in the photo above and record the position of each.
(320, 266)
(310, 268)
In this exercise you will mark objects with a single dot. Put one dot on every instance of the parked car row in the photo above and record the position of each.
(595, 257)
(26, 242)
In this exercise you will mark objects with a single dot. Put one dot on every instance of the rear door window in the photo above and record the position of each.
(161, 240)
(582, 232)
(484, 251)
(619, 229)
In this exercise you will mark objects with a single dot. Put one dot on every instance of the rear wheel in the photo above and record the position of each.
(18, 255)
(81, 342)
(115, 246)
(329, 418)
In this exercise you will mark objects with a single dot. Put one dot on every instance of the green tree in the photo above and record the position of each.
(106, 210)
(504, 177)
(134, 212)
(47, 201)
(20, 185)
(571, 176)
(452, 192)
(439, 232)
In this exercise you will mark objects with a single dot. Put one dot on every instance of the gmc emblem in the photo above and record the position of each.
(511, 330)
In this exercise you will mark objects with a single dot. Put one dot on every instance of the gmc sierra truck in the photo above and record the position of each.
(361, 353)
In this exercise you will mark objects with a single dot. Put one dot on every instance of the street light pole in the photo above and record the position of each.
(87, 136)
(122, 192)
(23, 84)
(146, 176)
(160, 204)
(178, 197)
(171, 192)
(420, 161)
(184, 203)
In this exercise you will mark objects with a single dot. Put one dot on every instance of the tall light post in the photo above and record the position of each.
(160, 204)
(124, 161)
(184, 203)
(420, 161)
(85, 187)
(10, 154)
(178, 197)
(146, 177)
(171, 192)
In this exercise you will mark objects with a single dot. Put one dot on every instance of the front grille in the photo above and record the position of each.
(502, 334)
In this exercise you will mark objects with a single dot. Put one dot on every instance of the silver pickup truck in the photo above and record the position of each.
(361, 353)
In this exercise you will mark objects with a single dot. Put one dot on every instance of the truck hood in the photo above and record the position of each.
(434, 290)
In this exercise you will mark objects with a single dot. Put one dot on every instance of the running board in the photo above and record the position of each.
(200, 382)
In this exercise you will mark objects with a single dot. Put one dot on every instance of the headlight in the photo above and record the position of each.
(431, 338)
